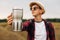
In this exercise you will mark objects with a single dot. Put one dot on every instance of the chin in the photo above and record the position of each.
(34, 15)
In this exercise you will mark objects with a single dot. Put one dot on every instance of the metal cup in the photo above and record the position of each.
(17, 19)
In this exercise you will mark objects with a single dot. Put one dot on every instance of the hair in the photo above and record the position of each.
(38, 4)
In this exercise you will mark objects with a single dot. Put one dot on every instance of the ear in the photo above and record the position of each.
(41, 11)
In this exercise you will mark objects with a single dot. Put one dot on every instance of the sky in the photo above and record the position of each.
(52, 8)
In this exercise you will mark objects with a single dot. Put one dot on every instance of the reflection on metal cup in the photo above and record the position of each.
(17, 19)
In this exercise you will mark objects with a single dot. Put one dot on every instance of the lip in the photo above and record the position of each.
(33, 12)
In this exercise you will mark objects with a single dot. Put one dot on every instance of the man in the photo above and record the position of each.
(37, 28)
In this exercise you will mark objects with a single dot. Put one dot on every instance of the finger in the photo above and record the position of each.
(10, 21)
(9, 18)
(9, 15)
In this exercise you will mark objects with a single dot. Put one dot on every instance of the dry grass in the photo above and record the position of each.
(57, 30)
(6, 32)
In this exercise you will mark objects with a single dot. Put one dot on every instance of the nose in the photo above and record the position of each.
(32, 9)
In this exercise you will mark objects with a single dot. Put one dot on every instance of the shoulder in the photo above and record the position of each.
(49, 24)
(46, 21)
(26, 23)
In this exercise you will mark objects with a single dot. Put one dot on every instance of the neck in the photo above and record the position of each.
(38, 18)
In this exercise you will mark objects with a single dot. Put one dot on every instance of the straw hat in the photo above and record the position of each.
(39, 4)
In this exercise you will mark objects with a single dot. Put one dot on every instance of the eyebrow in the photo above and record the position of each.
(37, 6)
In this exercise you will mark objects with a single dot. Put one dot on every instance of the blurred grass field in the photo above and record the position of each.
(6, 32)
(57, 29)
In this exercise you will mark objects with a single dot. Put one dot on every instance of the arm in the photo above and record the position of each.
(25, 26)
(51, 32)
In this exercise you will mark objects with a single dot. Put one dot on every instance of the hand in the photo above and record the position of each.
(9, 19)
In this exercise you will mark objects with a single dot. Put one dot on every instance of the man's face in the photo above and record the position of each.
(36, 10)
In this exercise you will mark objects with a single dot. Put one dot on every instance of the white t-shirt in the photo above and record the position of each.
(40, 31)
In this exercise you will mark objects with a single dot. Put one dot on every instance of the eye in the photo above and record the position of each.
(35, 8)
(30, 8)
